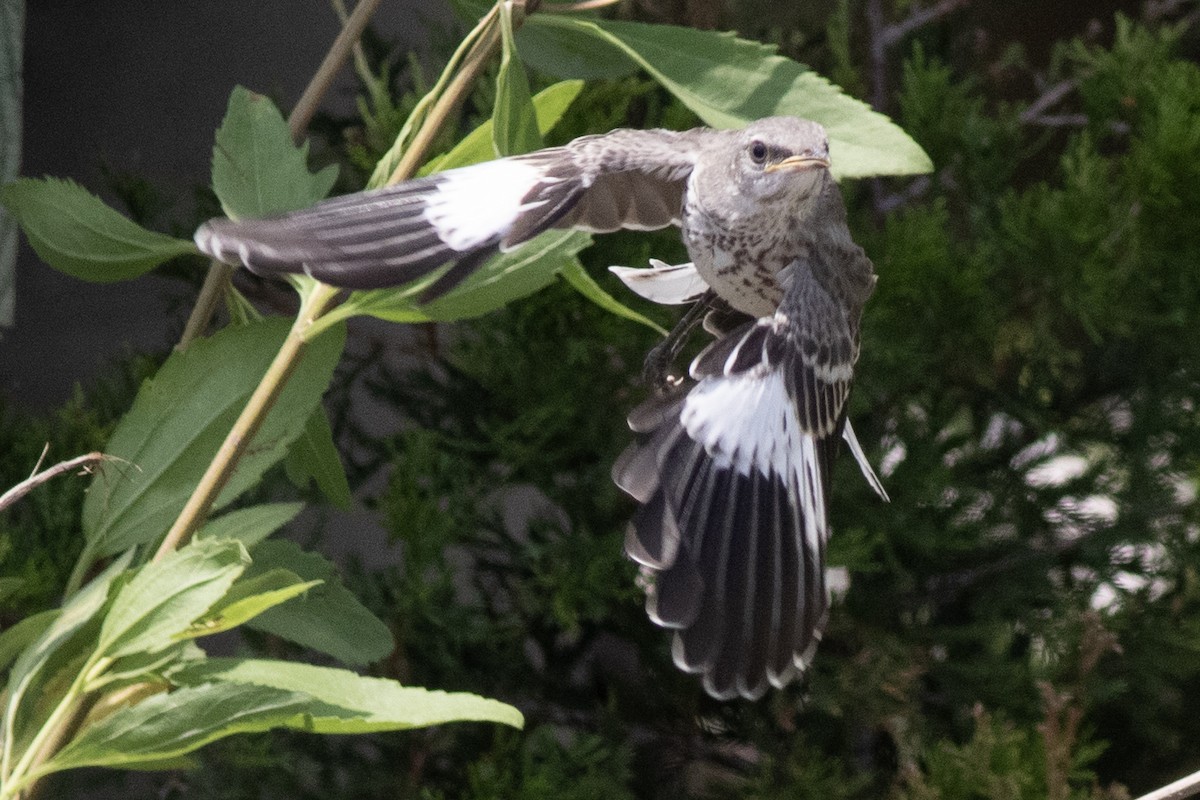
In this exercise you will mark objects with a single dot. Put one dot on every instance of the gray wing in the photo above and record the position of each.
(733, 475)
(388, 237)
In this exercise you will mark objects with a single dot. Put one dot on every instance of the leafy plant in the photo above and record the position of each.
(113, 677)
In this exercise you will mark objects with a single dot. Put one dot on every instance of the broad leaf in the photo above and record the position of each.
(248, 598)
(366, 704)
(167, 726)
(77, 612)
(148, 667)
(548, 105)
(504, 278)
(73, 231)
(314, 457)
(328, 617)
(153, 610)
(9, 587)
(729, 82)
(250, 525)
(514, 125)
(16, 638)
(180, 418)
(257, 170)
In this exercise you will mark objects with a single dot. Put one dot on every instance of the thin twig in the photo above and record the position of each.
(306, 106)
(1048, 99)
(585, 5)
(1058, 120)
(218, 273)
(1184, 787)
(878, 53)
(919, 19)
(360, 59)
(33, 481)
(385, 168)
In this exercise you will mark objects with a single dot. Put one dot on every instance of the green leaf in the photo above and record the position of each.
(502, 279)
(73, 231)
(158, 605)
(569, 52)
(77, 612)
(586, 285)
(514, 125)
(729, 82)
(314, 457)
(248, 598)
(147, 667)
(9, 587)
(548, 105)
(179, 420)
(367, 704)
(250, 525)
(257, 170)
(222, 697)
(328, 617)
(17, 637)
(167, 726)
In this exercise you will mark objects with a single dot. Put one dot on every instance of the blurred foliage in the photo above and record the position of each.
(1022, 620)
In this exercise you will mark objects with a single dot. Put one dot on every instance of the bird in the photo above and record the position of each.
(731, 465)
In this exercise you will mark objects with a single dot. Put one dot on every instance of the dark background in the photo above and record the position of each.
(139, 87)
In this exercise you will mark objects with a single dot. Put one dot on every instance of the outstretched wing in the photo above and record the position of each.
(388, 237)
(734, 480)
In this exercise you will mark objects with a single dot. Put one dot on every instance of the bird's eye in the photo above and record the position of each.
(758, 152)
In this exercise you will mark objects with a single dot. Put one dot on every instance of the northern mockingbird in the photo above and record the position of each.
(733, 467)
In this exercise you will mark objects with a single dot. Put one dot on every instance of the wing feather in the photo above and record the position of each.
(391, 236)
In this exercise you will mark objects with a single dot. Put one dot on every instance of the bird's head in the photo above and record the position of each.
(781, 157)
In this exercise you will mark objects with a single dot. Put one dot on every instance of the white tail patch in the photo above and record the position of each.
(864, 465)
(745, 422)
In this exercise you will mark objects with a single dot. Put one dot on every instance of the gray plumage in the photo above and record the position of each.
(732, 468)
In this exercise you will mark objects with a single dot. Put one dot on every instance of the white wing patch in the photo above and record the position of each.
(475, 204)
(665, 284)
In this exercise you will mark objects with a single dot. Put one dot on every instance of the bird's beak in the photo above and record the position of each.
(798, 163)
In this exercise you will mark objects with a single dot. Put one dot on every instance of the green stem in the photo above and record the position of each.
(206, 303)
(248, 423)
(472, 67)
(51, 735)
(387, 170)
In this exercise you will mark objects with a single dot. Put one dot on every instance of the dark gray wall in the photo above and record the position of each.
(142, 86)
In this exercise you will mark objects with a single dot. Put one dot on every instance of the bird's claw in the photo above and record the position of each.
(656, 368)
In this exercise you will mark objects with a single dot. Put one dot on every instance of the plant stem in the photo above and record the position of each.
(385, 172)
(52, 733)
(218, 273)
(306, 106)
(248, 423)
(455, 92)
(206, 303)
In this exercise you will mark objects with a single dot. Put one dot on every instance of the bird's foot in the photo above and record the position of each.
(656, 369)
